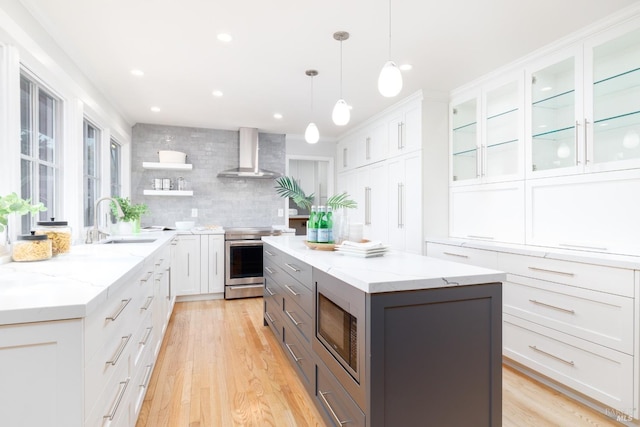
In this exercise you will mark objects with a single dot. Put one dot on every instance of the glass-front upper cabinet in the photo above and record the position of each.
(613, 100)
(465, 144)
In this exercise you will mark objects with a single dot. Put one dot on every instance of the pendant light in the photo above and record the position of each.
(311, 134)
(341, 113)
(390, 78)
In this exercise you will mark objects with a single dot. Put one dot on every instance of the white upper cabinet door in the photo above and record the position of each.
(464, 116)
(376, 143)
(405, 130)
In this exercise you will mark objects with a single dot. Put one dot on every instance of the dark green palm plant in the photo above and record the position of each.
(288, 187)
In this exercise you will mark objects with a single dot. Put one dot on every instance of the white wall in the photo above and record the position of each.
(25, 44)
(298, 146)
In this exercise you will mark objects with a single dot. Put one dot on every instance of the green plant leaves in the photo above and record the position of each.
(131, 212)
(12, 203)
(341, 201)
(288, 187)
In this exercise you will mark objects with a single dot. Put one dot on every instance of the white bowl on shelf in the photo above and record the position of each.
(167, 156)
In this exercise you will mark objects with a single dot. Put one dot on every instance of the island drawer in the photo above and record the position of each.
(299, 294)
(295, 268)
(337, 406)
(598, 317)
(612, 280)
(272, 315)
(477, 257)
(297, 318)
(300, 356)
(601, 373)
(271, 286)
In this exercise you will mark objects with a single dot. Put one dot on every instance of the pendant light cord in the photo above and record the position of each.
(341, 69)
(389, 29)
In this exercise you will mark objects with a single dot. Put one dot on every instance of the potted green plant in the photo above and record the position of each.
(131, 213)
(13, 204)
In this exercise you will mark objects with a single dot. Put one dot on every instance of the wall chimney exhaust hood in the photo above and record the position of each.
(248, 159)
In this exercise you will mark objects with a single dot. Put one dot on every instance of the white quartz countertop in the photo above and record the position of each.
(395, 271)
(71, 285)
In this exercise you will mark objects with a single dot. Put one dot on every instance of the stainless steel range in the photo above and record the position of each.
(244, 276)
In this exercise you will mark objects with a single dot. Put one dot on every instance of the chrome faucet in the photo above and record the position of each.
(95, 234)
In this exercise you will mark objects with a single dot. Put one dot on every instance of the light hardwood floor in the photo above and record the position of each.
(219, 366)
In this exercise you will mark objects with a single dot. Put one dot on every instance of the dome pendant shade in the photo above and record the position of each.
(312, 135)
(341, 113)
(390, 80)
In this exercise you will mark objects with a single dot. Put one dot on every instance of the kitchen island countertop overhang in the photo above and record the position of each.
(395, 271)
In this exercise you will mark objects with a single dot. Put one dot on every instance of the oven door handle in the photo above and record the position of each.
(244, 242)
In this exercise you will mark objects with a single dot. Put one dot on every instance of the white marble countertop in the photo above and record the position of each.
(583, 256)
(72, 285)
(395, 271)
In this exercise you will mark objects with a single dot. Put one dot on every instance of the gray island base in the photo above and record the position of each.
(403, 340)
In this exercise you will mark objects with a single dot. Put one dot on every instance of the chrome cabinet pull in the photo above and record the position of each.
(367, 205)
(188, 264)
(400, 205)
(293, 267)
(333, 413)
(216, 263)
(112, 414)
(147, 376)
(123, 304)
(268, 253)
(295, 294)
(458, 255)
(544, 270)
(553, 356)
(566, 310)
(474, 236)
(295, 322)
(123, 343)
(598, 248)
(367, 150)
(344, 157)
(295, 358)
(266, 313)
(146, 336)
(269, 290)
(148, 304)
(149, 274)
(269, 270)
(400, 136)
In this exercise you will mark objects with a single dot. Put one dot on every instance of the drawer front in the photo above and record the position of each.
(337, 406)
(300, 356)
(598, 372)
(612, 280)
(272, 275)
(292, 266)
(272, 315)
(598, 317)
(298, 319)
(301, 295)
(477, 257)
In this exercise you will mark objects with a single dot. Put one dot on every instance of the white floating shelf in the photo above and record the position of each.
(168, 193)
(167, 166)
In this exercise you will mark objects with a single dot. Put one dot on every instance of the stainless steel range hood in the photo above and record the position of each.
(248, 159)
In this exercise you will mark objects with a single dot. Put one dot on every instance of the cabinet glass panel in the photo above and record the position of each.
(502, 131)
(465, 141)
(553, 116)
(616, 99)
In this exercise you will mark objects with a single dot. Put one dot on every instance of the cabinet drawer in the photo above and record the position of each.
(598, 372)
(612, 280)
(477, 257)
(598, 317)
(301, 295)
(292, 266)
(272, 315)
(337, 405)
(300, 356)
(297, 318)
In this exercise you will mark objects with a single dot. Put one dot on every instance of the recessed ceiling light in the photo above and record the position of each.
(277, 116)
(217, 93)
(155, 109)
(224, 37)
(136, 72)
(406, 67)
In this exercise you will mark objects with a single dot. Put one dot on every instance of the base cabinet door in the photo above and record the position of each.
(404, 187)
(185, 266)
(215, 263)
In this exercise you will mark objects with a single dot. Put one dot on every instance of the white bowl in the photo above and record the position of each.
(185, 225)
(166, 156)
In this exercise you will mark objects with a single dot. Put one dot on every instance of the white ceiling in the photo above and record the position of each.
(262, 71)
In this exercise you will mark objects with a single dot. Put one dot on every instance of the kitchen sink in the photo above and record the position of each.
(117, 241)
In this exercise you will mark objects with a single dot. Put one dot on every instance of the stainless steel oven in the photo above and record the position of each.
(243, 262)
(340, 335)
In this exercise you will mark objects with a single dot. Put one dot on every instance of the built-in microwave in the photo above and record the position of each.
(340, 335)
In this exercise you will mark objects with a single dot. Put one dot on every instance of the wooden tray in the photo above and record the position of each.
(320, 246)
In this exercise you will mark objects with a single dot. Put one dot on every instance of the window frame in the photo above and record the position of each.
(91, 183)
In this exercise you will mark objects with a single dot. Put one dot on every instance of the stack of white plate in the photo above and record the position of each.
(362, 250)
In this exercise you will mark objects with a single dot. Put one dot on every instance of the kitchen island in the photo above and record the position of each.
(416, 340)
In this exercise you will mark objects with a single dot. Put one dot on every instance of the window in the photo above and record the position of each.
(40, 115)
(116, 184)
(91, 170)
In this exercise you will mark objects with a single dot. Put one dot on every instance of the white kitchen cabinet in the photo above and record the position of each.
(585, 107)
(493, 212)
(41, 366)
(405, 129)
(366, 146)
(185, 265)
(164, 296)
(214, 262)
(404, 185)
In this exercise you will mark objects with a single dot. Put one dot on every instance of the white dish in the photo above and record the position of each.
(362, 255)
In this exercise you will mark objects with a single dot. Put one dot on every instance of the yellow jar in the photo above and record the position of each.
(58, 232)
(31, 247)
